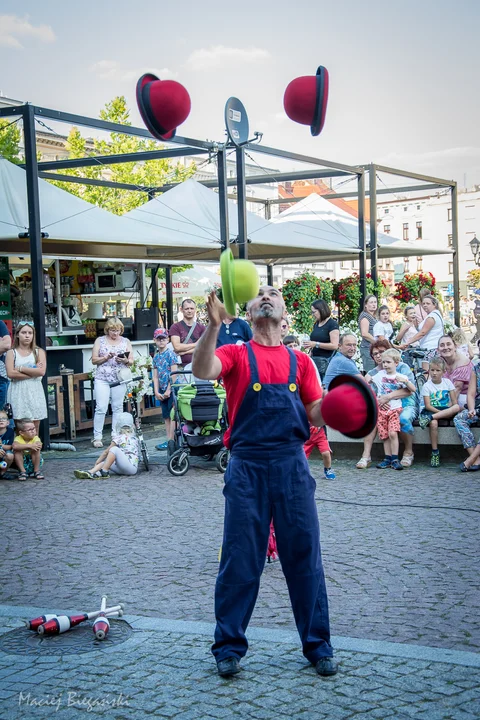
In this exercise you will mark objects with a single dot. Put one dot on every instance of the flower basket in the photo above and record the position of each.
(407, 290)
(299, 293)
(347, 296)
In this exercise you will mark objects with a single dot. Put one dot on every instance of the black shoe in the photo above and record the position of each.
(326, 666)
(229, 666)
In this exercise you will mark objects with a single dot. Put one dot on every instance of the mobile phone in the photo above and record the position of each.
(124, 354)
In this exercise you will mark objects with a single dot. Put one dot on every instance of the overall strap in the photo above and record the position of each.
(292, 375)
(252, 361)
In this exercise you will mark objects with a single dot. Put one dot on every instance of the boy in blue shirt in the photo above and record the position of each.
(164, 363)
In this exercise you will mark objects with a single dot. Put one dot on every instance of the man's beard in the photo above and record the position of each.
(266, 311)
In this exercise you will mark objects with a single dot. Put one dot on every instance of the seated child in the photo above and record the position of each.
(383, 329)
(6, 443)
(318, 438)
(121, 457)
(26, 450)
(388, 425)
(440, 399)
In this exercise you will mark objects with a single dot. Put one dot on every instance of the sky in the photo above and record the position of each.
(404, 77)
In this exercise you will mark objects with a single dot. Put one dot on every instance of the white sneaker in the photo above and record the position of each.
(407, 460)
(97, 443)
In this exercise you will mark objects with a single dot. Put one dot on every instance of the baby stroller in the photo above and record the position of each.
(199, 411)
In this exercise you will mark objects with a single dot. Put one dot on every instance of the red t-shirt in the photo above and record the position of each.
(273, 367)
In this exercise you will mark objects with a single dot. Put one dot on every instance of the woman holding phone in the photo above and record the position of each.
(110, 352)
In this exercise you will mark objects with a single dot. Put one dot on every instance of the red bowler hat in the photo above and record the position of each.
(305, 100)
(163, 105)
(350, 406)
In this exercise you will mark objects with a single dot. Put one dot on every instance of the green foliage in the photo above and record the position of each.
(473, 278)
(299, 294)
(10, 141)
(408, 289)
(347, 295)
(152, 173)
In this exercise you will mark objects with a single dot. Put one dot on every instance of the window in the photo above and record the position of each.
(419, 230)
(419, 264)
(344, 265)
(405, 231)
(406, 262)
(450, 268)
(386, 229)
(405, 208)
(450, 241)
(418, 207)
(449, 213)
(386, 211)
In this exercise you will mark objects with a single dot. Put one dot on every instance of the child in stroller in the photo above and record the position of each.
(199, 413)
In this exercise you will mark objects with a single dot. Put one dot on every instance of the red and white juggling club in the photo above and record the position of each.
(61, 623)
(101, 626)
(36, 622)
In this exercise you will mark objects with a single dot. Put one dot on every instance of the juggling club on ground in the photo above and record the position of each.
(101, 626)
(61, 623)
(36, 622)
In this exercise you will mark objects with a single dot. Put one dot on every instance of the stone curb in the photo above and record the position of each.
(374, 647)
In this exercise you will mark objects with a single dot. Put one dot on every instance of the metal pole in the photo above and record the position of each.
(58, 297)
(455, 258)
(361, 238)
(169, 294)
(242, 204)
(372, 186)
(268, 216)
(270, 275)
(223, 197)
(35, 235)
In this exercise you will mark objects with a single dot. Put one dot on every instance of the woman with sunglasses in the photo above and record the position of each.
(26, 364)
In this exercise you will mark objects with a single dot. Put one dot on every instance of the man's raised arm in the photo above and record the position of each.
(205, 364)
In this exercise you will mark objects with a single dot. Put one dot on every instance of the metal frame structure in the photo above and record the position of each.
(189, 146)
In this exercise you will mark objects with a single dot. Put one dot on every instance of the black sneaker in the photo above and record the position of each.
(229, 666)
(326, 666)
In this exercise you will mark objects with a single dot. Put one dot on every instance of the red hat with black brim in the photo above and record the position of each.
(350, 406)
(163, 105)
(305, 100)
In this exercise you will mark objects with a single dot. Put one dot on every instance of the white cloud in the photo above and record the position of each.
(105, 68)
(111, 69)
(206, 58)
(12, 27)
(134, 75)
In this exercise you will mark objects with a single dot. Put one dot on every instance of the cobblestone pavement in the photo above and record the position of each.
(168, 672)
(394, 572)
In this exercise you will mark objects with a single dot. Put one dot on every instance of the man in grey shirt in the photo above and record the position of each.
(342, 363)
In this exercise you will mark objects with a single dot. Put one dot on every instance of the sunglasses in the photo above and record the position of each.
(22, 323)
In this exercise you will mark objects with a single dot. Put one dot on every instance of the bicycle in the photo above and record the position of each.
(131, 396)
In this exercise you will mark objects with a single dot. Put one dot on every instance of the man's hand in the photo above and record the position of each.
(383, 400)
(216, 310)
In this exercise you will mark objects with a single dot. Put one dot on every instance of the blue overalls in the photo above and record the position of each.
(268, 476)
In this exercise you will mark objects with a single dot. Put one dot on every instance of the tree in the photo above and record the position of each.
(151, 173)
(10, 140)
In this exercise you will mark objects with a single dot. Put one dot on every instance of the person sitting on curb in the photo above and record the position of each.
(440, 399)
(407, 416)
(386, 381)
(121, 457)
(342, 362)
(26, 450)
(6, 443)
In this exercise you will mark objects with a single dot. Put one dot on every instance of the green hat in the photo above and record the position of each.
(240, 282)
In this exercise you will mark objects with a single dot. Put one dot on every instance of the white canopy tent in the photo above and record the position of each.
(189, 214)
(318, 220)
(73, 227)
(194, 281)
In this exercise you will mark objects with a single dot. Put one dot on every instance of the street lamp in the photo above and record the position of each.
(475, 248)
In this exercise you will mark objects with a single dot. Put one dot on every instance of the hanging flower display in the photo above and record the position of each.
(407, 290)
(347, 295)
(299, 293)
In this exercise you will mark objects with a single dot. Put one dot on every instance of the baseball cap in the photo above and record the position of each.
(160, 332)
